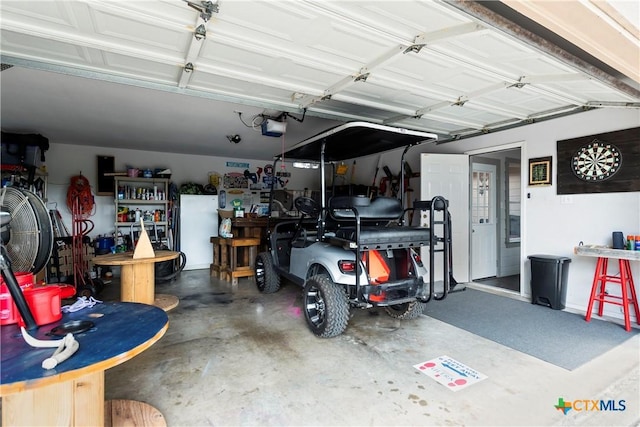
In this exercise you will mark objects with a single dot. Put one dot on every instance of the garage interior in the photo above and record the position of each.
(186, 85)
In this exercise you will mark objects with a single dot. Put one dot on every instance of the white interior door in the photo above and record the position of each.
(447, 175)
(484, 254)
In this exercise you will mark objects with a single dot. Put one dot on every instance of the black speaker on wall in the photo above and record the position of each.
(106, 185)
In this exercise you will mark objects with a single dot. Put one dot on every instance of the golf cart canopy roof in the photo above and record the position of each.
(355, 139)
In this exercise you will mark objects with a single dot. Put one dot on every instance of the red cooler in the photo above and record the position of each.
(8, 311)
(45, 304)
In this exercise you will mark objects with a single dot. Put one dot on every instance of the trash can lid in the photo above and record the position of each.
(549, 258)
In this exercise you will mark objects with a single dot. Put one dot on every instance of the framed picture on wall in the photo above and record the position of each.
(540, 171)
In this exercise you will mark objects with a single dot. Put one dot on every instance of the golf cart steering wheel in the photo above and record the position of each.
(307, 206)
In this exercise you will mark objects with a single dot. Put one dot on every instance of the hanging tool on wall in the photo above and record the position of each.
(394, 181)
(382, 188)
(353, 172)
(340, 171)
(408, 191)
(373, 190)
(408, 173)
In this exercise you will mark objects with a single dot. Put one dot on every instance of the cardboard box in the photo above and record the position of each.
(226, 214)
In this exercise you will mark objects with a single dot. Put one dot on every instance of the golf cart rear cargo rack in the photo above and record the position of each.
(362, 225)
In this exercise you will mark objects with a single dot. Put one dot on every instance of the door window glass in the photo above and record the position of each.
(514, 191)
(480, 210)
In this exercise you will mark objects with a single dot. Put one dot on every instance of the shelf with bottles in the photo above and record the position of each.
(128, 215)
(141, 190)
(141, 202)
(142, 199)
(136, 224)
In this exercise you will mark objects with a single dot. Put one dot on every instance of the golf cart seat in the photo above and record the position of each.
(370, 224)
(376, 210)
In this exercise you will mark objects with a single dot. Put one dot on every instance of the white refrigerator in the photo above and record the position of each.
(198, 223)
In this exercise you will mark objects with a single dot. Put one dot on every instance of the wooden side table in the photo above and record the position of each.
(233, 257)
(73, 392)
(137, 277)
(220, 257)
(251, 227)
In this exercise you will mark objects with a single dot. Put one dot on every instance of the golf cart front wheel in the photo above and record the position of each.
(267, 280)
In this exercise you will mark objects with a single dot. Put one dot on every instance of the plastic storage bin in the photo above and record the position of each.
(549, 280)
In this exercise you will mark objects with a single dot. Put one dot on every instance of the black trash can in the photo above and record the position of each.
(549, 280)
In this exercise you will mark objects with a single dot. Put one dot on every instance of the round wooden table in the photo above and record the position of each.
(137, 277)
(73, 392)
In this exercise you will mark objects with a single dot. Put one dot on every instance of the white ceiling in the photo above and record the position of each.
(114, 74)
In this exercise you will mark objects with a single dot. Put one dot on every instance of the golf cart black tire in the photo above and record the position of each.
(406, 311)
(334, 320)
(267, 280)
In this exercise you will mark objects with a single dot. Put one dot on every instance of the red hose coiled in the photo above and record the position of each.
(80, 190)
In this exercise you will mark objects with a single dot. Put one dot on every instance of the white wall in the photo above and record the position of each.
(551, 227)
(65, 161)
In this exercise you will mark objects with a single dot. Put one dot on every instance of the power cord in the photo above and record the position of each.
(256, 125)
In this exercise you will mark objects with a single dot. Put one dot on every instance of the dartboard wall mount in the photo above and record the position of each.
(603, 163)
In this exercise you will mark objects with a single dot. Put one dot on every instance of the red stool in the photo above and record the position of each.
(598, 290)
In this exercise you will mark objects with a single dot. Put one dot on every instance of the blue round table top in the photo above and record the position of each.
(121, 330)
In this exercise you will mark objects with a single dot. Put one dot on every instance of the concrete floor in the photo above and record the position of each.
(244, 358)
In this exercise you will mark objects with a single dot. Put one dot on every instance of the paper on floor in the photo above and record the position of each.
(450, 373)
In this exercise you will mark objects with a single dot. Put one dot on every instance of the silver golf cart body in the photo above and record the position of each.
(356, 250)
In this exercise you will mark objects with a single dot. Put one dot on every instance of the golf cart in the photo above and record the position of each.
(355, 250)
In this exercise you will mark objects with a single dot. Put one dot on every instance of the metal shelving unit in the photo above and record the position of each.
(149, 196)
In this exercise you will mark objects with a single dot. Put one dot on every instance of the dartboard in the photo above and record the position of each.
(596, 161)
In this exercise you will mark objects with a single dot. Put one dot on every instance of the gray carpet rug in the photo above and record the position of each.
(558, 337)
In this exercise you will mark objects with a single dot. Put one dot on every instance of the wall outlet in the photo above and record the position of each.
(566, 199)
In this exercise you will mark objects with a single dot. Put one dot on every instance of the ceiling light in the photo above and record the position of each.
(234, 138)
(305, 165)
